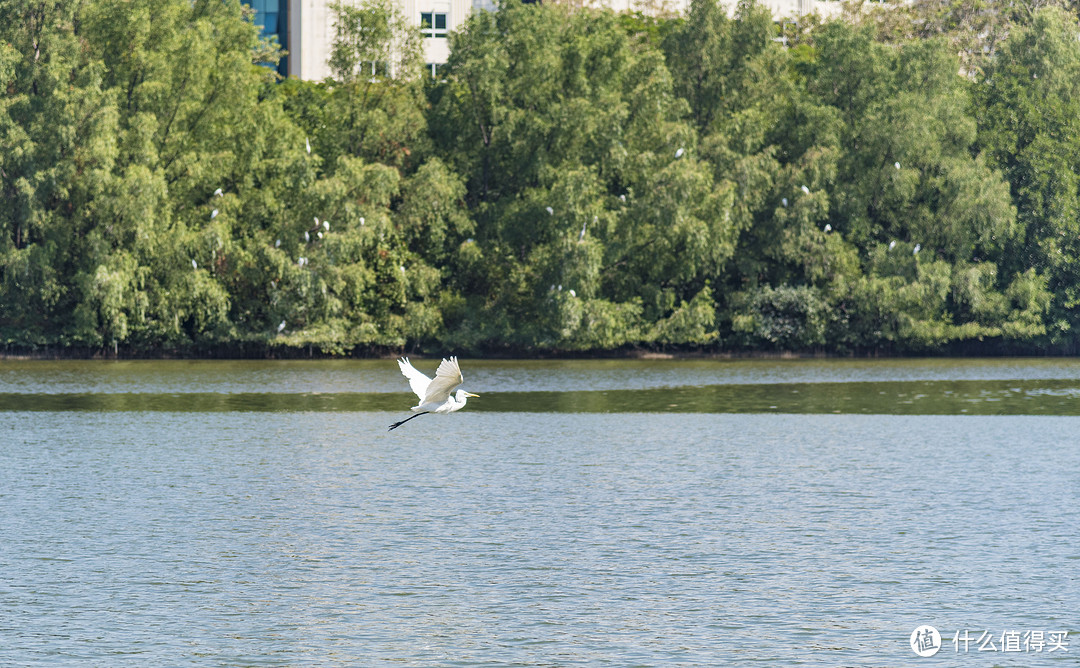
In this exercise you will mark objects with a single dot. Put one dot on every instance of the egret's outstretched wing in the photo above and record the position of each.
(417, 381)
(447, 377)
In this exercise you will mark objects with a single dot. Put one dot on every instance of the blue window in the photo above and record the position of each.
(272, 17)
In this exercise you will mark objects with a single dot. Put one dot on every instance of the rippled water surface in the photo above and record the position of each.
(259, 514)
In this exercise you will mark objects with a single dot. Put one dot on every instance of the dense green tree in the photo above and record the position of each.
(596, 222)
(1028, 108)
(161, 195)
(58, 125)
(581, 180)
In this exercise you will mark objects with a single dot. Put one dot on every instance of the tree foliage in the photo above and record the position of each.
(576, 180)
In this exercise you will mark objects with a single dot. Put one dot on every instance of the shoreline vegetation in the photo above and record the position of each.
(904, 181)
(263, 352)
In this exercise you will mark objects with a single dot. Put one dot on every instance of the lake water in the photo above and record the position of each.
(622, 513)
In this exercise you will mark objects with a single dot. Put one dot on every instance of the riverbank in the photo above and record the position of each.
(263, 351)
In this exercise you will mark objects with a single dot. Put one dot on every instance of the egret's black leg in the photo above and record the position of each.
(398, 424)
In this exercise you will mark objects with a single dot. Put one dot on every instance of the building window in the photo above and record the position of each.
(271, 17)
(433, 24)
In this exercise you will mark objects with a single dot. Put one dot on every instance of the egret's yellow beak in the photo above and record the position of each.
(470, 394)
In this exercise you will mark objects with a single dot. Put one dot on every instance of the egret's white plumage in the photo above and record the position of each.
(437, 394)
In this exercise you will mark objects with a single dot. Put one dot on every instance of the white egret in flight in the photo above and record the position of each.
(435, 395)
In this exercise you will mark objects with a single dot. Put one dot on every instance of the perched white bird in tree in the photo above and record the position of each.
(679, 153)
(218, 192)
(435, 395)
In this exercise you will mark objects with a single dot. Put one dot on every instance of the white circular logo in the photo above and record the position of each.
(925, 640)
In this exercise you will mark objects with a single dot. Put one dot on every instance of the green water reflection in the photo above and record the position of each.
(974, 397)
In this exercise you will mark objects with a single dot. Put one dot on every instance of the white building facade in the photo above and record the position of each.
(311, 31)
(305, 28)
